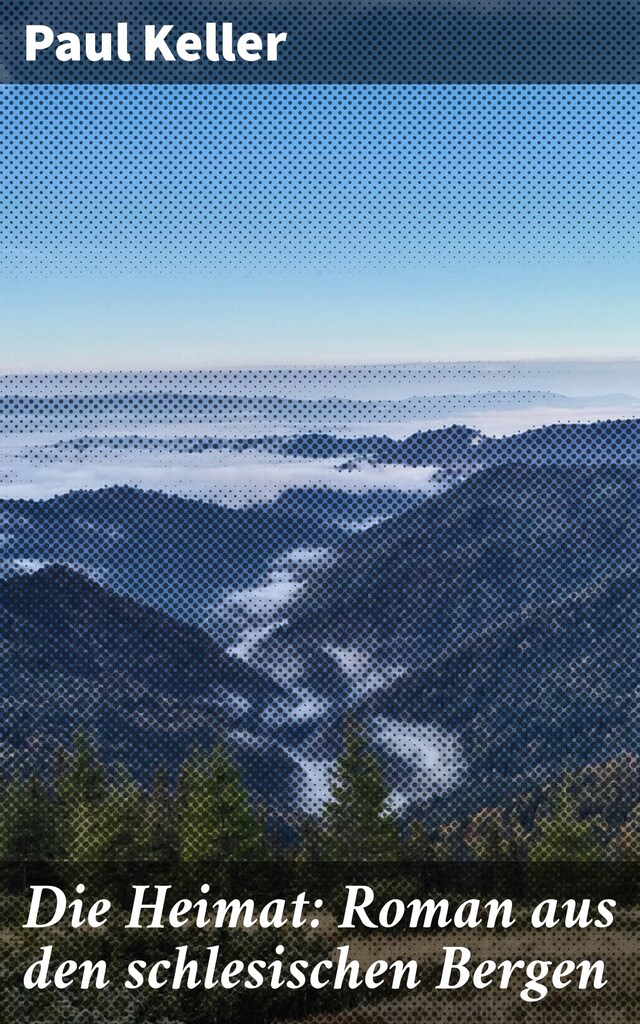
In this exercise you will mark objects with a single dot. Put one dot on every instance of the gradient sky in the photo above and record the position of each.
(199, 226)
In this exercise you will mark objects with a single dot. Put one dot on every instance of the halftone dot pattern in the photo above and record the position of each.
(341, 42)
(190, 179)
(243, 615)
(450, 610)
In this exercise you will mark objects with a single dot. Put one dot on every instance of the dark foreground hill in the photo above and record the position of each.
(142, 686)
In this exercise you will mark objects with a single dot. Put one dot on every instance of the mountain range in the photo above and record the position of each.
(178, 554)
(484, 636)
(501, 615)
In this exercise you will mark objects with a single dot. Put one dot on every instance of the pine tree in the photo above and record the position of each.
(160, 828)
(83, 777)
(356, 824)
(217, 821)
(81, 792)
(625, 844)
(310, 839)
(194, 808)
(563, 835)
(25, 821)
(240, 832)
(122, 820)
(486, 837)
(417, 844)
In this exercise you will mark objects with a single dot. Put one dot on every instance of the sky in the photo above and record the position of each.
(188, 227)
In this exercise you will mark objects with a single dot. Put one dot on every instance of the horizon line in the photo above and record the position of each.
(310, 366)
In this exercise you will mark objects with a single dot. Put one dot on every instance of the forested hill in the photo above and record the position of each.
(485, 637)
(460, 446)
(543, 689)
(504, 611)
(504, 539)
(146, 688)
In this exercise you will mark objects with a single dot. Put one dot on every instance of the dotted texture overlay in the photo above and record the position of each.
(245, 615)
(260, 563)
(344, 41)
(142, 180)
(436, 631)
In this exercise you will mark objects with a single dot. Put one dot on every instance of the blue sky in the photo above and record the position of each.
(200, 226)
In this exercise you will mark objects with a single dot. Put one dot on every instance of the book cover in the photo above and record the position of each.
(319, 540)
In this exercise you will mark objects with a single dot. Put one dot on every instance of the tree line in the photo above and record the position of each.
(88, 812)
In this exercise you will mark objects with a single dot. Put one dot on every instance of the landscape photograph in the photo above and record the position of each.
(437, 624)
(390, 630)
(319, 536)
